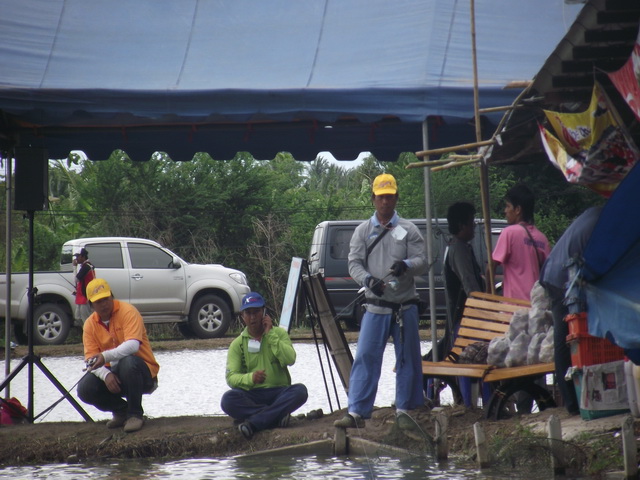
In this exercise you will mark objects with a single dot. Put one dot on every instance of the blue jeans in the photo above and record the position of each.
(263, 407)
(135, 379)
(375, 330)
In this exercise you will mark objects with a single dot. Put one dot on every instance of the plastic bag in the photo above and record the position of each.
(539, 297)
(518, 351)
(497, 351)
(539, 320)
(533, 352)
(519, 324)
(546, 348)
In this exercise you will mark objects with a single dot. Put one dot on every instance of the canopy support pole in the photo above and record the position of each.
(484, 170)
(430, 261)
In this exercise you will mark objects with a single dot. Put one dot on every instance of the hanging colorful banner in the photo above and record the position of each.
(627, 79)
(592, 148)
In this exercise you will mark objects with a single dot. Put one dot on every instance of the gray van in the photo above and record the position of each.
(330, 249)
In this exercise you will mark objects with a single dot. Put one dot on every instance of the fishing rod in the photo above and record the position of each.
(358, 298)
(65, 395)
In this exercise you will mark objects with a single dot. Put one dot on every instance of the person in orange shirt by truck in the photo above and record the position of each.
(118, 355)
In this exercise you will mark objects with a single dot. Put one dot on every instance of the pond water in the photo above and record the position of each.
(191, 382)
(271, 468)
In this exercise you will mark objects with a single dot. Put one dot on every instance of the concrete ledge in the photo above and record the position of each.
(360, 446)
(320, 447)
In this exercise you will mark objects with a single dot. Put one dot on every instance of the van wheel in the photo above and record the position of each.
(210, 317)
(354, 322)
(51, 324)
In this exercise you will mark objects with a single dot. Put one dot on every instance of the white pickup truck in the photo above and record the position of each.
(202, 299)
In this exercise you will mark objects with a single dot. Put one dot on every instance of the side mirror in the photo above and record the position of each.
(175, 263)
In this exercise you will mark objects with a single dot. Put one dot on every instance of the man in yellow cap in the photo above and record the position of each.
(386, 253)
(119, 356)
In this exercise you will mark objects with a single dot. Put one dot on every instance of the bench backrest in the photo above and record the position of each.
(485, 317)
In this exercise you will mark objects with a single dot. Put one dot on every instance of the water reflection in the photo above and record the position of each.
(263, 468)
(192, 383)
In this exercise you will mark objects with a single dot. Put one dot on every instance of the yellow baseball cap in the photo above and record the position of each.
(97, 289)
(385, 184)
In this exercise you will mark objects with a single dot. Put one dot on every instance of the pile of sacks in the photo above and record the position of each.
(529, 339)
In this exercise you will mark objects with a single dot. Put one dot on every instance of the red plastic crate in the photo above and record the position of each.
(577, 323)
(589, 350)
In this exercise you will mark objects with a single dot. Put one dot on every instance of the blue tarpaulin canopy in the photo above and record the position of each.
(260, 76)
(612, 267)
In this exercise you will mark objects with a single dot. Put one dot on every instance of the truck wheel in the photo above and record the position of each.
(210, 317)
(51, 324)
(21, 335)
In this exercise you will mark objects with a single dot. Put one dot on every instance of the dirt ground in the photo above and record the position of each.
(216, 436)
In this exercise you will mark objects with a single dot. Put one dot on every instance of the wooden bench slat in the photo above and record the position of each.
(497, 328)
(488, 315)
(476, 335)
(507, 373)
(450, 369)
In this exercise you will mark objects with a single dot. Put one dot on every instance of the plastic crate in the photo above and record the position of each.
(588, 350)
(577, 323)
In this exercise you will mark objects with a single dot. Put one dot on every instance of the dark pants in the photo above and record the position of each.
(263, 407)
(562, 352)
(135, 379)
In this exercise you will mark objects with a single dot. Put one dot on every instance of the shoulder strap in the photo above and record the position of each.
(375, 242)
(533, 244)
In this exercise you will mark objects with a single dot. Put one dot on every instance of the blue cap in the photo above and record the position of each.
(252, 300)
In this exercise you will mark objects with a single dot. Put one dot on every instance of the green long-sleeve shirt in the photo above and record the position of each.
(276, 353)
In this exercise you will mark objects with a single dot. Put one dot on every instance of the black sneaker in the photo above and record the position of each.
(284, 421)
(349, 421)
(315, 414)
(246, 430)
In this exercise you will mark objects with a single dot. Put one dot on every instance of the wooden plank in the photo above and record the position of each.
(331, 330)
(492, 306)
(488, 315)
(500, 299)
(450, 369)
(507, 373)
(477, 335)
(479, 322)
(497, 328)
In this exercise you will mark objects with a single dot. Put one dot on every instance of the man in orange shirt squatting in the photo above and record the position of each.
(119, 356)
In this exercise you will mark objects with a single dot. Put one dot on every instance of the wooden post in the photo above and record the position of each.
(340, 442)
(481, 445)
(629, 449)
(554, 434)
(441, 441)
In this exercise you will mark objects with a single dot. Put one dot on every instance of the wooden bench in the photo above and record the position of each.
(485, 317)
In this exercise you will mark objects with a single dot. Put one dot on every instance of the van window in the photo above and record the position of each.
(339, 241)
(338, 259)
(316, 250)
